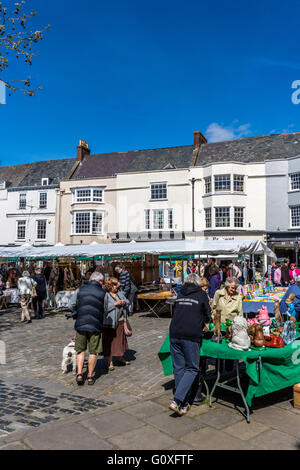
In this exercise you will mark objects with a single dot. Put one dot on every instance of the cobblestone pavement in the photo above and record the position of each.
(41, 408)
(33, 389)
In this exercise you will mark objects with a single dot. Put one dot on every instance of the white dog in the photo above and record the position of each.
(69, 357)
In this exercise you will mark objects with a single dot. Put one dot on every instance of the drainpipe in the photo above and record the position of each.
(193, 204)
(57, 217)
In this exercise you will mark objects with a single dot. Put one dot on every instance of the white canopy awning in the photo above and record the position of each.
(206, 247)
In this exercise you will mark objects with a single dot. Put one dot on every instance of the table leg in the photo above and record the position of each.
(241, 392)
(151, 309)
(206, 387)
(215, 384)
(224, 385)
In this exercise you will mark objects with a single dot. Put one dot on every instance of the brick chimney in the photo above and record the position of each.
(199, 139)
(82, 150)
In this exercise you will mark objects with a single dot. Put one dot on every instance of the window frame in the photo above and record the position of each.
(40, 193)
(222, 217)
(207, 210)
(91, 222)
(298, 182)
(243, 183)
(225, 175)
(160, 183)
(92, 199)
(17, 230)
(37, 230)
(235, 217)
(170, 219)
(19, 202)
(291, 217)
(147, 219)
(154, 211)
(207, 184)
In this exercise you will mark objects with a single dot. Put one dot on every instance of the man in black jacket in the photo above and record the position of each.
(88, 325)
(285, 275)
(192, 311)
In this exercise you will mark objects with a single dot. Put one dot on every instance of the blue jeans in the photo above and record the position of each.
(185, 356)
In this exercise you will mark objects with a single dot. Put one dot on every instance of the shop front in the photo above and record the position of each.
(285, 245)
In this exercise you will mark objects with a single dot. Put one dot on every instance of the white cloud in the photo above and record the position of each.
(217, 133)
(286, 130)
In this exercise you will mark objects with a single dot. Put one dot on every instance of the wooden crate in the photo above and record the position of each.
(297, 396)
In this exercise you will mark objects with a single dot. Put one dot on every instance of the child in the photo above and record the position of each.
(291, 307)
(204, 284)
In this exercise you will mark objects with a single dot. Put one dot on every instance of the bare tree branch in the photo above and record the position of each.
(17, 39)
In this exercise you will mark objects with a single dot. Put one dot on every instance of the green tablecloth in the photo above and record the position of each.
(280, 367)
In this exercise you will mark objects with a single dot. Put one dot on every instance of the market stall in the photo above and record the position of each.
(261, 295)
(155, 301)
(269, 370)
(207, 247)
(120, 252)
(12, 296)
(65, 299)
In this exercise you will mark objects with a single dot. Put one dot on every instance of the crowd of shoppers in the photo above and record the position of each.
(284, 274)
(103, 307)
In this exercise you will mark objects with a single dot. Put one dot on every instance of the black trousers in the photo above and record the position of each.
(38, 305)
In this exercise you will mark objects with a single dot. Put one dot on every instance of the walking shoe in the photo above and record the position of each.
(123, 363)
(176, 408)
(184, 409)
(199, 400)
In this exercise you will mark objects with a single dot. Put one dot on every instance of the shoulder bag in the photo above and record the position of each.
(33, 290)
(127, 328)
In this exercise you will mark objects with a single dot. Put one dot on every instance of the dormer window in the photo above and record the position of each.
(45, 181)
(169, 166)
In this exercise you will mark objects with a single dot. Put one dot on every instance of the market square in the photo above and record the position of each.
(139, 393)
(150, 228)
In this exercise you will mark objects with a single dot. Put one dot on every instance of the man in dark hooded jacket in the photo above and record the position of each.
(88, 325)
(192, 312)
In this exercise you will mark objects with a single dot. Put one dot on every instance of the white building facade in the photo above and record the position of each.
(28, 196)
(30, 216)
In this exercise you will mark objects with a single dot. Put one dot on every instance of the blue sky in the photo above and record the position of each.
(126, 75)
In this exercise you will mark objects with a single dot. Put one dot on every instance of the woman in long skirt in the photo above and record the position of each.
(115, 315)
